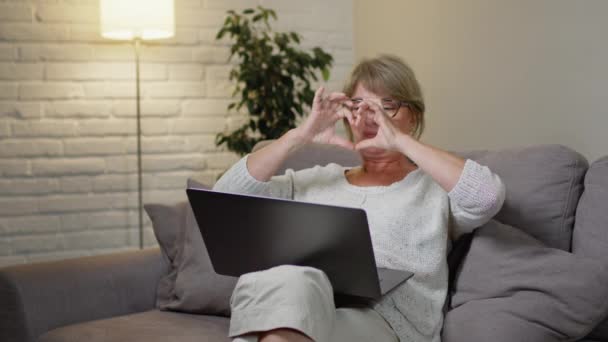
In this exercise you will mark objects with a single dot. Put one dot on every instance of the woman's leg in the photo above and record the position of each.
(284, 335)
(283, 302)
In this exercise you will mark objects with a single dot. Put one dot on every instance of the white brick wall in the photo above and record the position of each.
(67, 117)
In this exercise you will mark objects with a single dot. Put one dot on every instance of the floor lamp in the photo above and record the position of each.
(137, 20)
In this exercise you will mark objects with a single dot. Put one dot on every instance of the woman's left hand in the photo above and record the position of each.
(387, 136)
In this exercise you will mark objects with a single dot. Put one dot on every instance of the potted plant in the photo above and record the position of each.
(273, 77)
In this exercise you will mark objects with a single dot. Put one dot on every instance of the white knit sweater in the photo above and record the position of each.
(409, 222)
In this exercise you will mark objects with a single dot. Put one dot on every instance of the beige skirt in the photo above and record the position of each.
(300, 298)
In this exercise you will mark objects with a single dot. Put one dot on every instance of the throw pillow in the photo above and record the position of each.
(191, 285)
(166, 223)
(198, 289)
(511, 287)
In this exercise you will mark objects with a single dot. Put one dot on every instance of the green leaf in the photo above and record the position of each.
(273, 14)
(325, 73)
(248, 11)
(295, 37)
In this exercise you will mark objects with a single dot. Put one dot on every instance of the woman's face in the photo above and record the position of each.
(402, 120)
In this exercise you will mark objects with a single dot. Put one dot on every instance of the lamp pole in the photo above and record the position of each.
(137, 46)
(132, 21)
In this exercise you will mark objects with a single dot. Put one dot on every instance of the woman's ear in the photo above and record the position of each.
(413, 123)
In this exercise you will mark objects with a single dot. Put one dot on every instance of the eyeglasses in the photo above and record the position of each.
(390, 107)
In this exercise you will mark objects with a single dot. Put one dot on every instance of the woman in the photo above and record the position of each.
(418, 199)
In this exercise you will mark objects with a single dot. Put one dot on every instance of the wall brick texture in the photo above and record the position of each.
(68, 167)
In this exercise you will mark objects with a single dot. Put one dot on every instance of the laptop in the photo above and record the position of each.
(245, 233)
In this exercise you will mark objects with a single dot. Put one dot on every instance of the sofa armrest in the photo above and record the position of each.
(36, 298)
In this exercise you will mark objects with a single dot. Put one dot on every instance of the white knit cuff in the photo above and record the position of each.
(478, 189)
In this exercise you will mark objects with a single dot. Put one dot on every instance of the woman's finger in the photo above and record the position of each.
(349, 115)
(346, 107)
(358, 121)
(367, 143)
(347, 103)
(374, 106)
(321, 100)
(363, 107)
(332, 100)
(319, 95)
(379, 118)
(337, 97)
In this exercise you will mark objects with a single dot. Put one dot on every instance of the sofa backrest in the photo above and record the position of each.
(590, 238)
(316, 154)
(544, 184)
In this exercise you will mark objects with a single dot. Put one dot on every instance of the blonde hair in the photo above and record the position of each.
(392, 76)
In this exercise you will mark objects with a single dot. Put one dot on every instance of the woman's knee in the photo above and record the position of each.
(286, 284)
(300, 277)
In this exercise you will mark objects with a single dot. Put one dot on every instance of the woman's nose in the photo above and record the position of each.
(367, 113)
(367, 117)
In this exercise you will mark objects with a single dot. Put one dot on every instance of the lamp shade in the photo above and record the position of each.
(144, 19)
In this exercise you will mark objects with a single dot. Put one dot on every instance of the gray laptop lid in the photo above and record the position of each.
(248, 233)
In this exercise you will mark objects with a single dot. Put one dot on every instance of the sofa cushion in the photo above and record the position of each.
(543, 183)
(590, 237)
(510, 287)
(149, 326)
(193, 286)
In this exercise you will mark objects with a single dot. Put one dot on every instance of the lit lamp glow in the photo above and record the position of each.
(132, 19)
(137, 20)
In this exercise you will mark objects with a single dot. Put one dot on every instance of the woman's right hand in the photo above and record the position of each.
(320, 126)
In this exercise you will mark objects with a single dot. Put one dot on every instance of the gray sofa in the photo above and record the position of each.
(556, 201)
